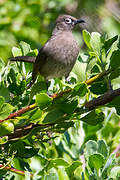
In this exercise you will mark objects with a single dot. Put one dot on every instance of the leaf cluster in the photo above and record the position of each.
(28, 135)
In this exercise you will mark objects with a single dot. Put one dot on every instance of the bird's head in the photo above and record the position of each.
(67, 22)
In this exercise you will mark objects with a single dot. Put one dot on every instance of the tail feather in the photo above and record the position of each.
(29, 59)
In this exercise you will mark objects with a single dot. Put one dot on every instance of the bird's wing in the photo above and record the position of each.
(39, 62)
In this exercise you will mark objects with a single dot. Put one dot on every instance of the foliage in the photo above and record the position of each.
(33, 137)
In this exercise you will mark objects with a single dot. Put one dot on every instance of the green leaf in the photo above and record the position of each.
(68, 106)
(95, 42)
(92, 54)
(2, 65)
(57, 162)
(5, 110)
(27, 175)
(18, 147)
(6, 127)
(91, 63)
(95, 152)
(35, 51)
(16, 51)
(91, 131)
(96, 161)
(108, 165)
(86, 37)
(4, 92)
(43, 100)
(80, 90)
(35, 114)
(38, 87)
(28, 67)
(61, 127)
(115, 103)
(95, 69)
(79, 69)
(115, 59)
(11, 77)
(2, 100)
(118, 45)
(54, 115)
(99, 87)
(70, 170)
(3, 140)
(17, 89)
(25, 48)
(108, 43)
(93, 118)
(102, 148)
(91, 147)
(83, 58)
(23, 150)
(3, 173)
(51, 176)
(114, 74)
(115, 173)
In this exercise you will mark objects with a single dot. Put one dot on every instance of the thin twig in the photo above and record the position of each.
(19, 112)
(24, 130)
(98, 76)
(7, 168)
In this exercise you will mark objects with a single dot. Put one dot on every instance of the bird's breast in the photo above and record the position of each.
(63, 47)
(61, 51)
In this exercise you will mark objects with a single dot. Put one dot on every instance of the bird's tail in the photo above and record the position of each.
(29, 59)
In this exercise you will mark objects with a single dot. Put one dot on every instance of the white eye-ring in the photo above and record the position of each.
(68, 20)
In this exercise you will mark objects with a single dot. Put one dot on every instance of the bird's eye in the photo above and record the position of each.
(68, 21)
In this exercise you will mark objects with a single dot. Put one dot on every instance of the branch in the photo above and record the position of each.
(24, 130)
(90, 105)
(19, 112)
(7, 168)
(54, 96)
(98, 76)
(102, 100)
(88, 82)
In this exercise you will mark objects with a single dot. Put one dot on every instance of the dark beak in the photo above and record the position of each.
(79, 21)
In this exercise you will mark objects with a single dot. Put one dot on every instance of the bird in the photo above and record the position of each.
(58, 55)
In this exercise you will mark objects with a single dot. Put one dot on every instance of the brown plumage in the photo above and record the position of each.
(58, 56)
